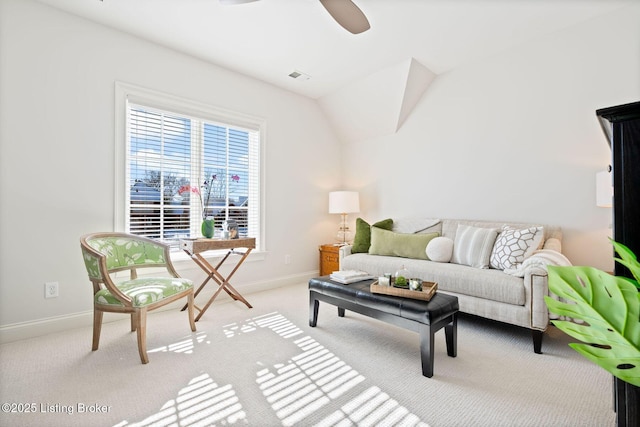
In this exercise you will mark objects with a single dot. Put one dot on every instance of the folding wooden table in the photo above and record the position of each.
(195, 247)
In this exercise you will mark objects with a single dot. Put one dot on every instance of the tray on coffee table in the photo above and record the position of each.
(428, 291)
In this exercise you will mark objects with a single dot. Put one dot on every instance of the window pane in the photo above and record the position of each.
(182, 169)
(238, 149)
(215, 146)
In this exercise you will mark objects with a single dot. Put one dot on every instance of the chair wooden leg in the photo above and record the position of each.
(141, 321)
(134, 321)
(97, 327)
(190, 303)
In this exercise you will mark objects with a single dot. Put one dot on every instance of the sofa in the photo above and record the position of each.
(496, 269)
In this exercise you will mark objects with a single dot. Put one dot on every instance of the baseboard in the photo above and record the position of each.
(50, 325)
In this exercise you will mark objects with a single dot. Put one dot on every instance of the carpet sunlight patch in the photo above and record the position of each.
(297, 389)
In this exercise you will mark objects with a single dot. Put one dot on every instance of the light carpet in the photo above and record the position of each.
(266, 367)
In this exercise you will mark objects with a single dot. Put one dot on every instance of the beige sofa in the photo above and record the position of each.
(512, 295)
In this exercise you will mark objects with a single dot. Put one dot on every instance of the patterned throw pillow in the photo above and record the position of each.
(473, 246)
(513, 246)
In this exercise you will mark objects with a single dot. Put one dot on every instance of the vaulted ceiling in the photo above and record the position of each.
(269, 39)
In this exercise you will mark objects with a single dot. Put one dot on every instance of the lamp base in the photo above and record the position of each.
(344, 234)
(344, 237)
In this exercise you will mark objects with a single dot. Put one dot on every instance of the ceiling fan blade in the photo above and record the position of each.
(226, 2)
(347, 14)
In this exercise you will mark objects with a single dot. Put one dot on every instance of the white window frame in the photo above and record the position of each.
(125, 93)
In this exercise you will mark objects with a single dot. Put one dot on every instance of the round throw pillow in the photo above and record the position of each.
(440, 249)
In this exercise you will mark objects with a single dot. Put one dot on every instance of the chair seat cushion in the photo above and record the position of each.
(145, 291)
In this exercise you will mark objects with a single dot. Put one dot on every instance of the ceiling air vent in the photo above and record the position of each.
(299, 75)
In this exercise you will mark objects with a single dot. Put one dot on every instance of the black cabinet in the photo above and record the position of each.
(621, 124)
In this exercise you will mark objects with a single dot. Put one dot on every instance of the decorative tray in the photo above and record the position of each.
(428, 291)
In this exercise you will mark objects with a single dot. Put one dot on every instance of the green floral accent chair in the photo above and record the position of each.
(108, 258)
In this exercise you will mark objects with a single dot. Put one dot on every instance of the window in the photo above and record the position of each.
(183, 164)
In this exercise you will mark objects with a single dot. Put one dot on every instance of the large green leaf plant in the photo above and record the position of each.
(609, 306)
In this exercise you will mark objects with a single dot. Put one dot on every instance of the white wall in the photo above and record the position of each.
(57, 75)
(513, 137)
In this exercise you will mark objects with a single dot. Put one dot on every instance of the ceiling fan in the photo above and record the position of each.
(345, 12)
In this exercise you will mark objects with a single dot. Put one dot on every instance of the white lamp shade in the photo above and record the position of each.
(343, 202)
(604, 189)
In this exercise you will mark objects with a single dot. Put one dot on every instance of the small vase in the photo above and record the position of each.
(207, 227)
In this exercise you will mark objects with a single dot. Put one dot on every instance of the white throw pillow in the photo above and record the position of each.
(473, 246)
(440, 249)
(513, 246)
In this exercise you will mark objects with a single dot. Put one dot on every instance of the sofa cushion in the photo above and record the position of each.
(384, 242)
(513, 246)
(416, 224)
(473, 245)
(362, 239)
(144, 291)
(440, 249)
(450, 226)
(486, 284)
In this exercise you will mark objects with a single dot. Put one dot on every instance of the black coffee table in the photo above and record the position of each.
(424, 317)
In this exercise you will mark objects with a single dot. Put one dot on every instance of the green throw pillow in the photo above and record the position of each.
(362, 239)
(385, 242)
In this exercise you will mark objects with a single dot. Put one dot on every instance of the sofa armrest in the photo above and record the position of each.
(343, 252)
(538, 263)
(536, 288)
(536, 283)
(553, 244)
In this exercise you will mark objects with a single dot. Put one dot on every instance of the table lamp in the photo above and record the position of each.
(344, 203)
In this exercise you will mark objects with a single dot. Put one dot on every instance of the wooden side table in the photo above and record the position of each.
(194, 248)
(329, 259)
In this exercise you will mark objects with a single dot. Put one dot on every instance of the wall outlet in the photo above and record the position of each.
(51, 290)
(287, 259)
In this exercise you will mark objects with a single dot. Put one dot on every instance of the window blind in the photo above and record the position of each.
(181, 169)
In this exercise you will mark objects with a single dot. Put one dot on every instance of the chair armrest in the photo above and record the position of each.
(110, 285)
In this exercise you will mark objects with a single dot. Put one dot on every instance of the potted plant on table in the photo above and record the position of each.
(214, 188)
(208, 223)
